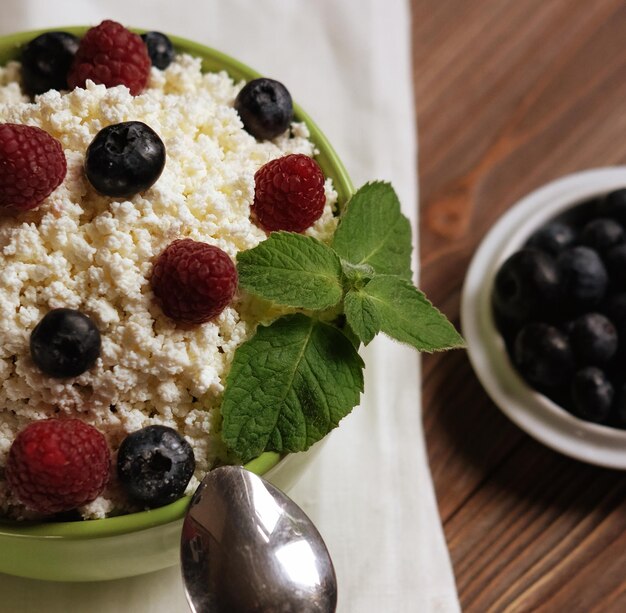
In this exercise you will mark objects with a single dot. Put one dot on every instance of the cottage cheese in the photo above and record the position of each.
(90, 252)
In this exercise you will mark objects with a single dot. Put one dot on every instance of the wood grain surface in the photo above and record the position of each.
(512, 94)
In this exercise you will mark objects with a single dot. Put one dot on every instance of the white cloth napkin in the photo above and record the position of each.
(369, 492)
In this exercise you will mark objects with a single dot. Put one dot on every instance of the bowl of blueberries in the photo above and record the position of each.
(543, 312)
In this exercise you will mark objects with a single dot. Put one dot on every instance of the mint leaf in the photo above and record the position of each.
(401, 311)
(373, 231)
(288, 386)
(292, 270)
(362, 315)
(357, 274)
(350, 334)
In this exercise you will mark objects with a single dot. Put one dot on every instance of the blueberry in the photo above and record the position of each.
(65, 343)
(602, 233)
(124, 159)
(593, 338)
(614, 205)
(616, 266)
(160, 49)
(526, 286)
(592, 394)
(616, 312)
(46, 61)
(265, 108)
(553, 237)
(154, 465)
(583, 276)
(543, 355)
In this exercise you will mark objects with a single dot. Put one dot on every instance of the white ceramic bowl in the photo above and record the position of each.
(531, 411)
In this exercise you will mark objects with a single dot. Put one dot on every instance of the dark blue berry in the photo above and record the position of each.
(65, 343)
(124, 159)
(592, 394)
(593, 338)
(46, 61)
(602, 233)
(526, 286)
(160, 49)
(616, 266)
(614, 205)
(583, 277)
(154, 465)
(616, 312)
(553, 237)
(543, 355)
(265, 108)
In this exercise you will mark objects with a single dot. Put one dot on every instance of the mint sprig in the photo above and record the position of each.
(373, 231)
(288, 386)
(308, 271)
(292, 382)
(362, 315)
(393, 305)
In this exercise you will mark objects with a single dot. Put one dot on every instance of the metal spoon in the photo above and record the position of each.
(246, 547)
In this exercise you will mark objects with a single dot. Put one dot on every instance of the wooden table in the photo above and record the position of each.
(512, 94)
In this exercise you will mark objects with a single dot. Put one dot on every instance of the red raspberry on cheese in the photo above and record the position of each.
(193, 281)
(56, 465)
(111, 55)
(32, 166)
(289, 193)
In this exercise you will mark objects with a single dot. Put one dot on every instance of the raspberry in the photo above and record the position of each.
(111, 55)
(56, 465)
(289, 193)
(32, 166)
(193, 281)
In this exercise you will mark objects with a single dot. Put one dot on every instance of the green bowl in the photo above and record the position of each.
(147, 541)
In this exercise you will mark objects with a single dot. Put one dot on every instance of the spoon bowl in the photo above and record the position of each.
(247, 547)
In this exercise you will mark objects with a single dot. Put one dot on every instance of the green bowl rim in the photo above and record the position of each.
(330, 164)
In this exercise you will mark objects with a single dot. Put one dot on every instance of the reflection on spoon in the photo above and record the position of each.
(246, 547)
